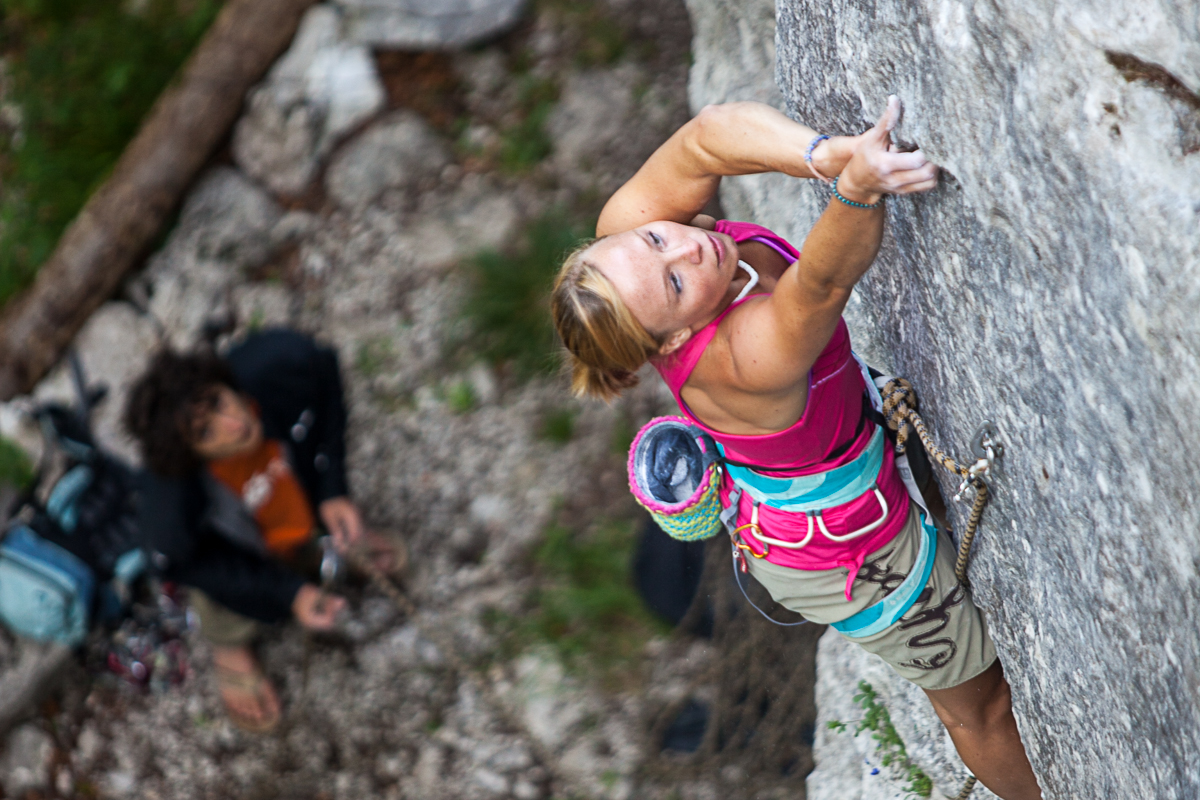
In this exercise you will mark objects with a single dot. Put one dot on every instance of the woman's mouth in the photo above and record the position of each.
(718, 248)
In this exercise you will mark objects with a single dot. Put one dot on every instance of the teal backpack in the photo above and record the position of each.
(69, 554)
(46, 592)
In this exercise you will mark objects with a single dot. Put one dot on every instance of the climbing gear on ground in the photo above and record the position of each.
(70, 552)
(839, 196)
(46, 592)
(900, 411)
(808, 157)
(750, 284)
(674, 474)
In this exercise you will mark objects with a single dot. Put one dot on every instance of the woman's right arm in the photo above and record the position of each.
(679, 179)
(772, 349)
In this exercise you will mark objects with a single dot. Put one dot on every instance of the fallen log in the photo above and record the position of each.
(120, 221)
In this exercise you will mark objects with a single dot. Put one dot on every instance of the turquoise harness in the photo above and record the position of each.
(811, 494)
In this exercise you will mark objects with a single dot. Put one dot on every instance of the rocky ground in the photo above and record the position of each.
(350, 203)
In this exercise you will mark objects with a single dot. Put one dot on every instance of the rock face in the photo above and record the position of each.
(1049, 284)
(429, 24)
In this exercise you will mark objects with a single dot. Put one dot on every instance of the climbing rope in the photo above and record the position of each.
(900, 411)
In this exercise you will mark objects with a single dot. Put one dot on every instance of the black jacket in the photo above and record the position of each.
(299, 391)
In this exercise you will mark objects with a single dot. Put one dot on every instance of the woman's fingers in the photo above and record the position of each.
(913, 180)
(880, 135)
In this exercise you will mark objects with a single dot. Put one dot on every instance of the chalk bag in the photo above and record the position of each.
(674, 472)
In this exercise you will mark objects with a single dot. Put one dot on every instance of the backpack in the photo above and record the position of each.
(69, 556)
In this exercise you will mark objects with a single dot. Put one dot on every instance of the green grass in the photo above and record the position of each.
(585, 605)
(558, 426)
(461, 397)
(84, 73)
(15, 467)
(525, 143)
(891, 747)
(373, 355)
(508, 302)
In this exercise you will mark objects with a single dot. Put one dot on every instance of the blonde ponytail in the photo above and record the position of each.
(606, 345)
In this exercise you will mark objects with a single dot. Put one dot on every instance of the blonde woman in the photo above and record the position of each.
(749, 337)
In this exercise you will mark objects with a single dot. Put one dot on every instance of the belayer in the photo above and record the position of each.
(748, 334)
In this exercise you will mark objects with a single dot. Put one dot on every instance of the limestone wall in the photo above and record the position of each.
(1049, 284)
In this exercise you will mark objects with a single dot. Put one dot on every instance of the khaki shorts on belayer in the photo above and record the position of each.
(940, 642)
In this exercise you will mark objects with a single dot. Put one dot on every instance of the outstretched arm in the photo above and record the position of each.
(781, 340)
(679, 179)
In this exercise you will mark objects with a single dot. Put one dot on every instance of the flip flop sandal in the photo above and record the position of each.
(250, 684)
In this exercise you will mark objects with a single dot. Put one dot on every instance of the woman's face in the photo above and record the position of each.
(671, 276)
(228, 429)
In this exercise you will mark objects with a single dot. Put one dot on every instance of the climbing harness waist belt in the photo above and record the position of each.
(817, 491)
(810, 495)
(882, 615)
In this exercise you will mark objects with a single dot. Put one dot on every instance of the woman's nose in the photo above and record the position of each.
(689, 250)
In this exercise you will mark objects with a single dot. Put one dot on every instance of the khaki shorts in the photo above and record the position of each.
(940, 642)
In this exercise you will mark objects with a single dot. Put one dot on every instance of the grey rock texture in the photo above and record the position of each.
(398, 152)
(849, 766)
(428, 24)
(323, 87)
(25, 765)
(1048, 284)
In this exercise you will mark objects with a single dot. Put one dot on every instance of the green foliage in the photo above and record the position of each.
(15, 468)
(585, 605)
(460, 397)
(602, 40)
(891, 747)
(508, 305)
(372, 356)
(84, 73)
(525, 143)
(558, 426)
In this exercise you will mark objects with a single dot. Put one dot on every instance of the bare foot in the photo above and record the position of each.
(249, 698)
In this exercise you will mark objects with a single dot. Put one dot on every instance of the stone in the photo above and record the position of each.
(428, 24)
(114, 347)
(320, 90)
(223, 232)
(1048, 285)
(25, 765)
(395, 153)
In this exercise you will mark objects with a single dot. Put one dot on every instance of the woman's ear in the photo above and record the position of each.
(675, 341)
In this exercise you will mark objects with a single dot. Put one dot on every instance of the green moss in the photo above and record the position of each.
(508, 302)
(586, 605)
(461, 397)
(891, 747)
(15, 467)
(84, 73)
(525, 143)
(373, 355)
(558, 426)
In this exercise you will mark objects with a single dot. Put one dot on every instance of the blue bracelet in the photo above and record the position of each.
(808, 154)
(838, 195)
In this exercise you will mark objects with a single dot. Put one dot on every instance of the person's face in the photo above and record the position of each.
(673, 277)
(229, 428)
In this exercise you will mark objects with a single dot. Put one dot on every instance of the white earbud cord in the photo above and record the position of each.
(751, 284)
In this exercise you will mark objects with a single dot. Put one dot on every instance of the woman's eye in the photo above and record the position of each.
(676, 284)
(654, 237)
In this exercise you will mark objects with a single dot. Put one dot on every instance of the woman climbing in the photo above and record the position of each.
(750, 339)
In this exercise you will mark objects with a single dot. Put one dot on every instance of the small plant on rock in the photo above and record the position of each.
(15, 469)
(891, 747)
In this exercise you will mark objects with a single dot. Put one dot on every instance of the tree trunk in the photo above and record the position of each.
(120, 221)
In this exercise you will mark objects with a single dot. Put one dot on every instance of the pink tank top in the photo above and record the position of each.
(816, 442)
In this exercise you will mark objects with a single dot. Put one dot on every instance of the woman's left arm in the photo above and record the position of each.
(679, 179)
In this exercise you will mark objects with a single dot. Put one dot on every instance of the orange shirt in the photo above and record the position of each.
(270, 490)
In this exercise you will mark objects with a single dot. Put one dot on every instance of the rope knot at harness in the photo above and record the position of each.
(900, 412)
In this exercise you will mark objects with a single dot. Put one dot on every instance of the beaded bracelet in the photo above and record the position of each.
(808, 154)
(838, 195)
